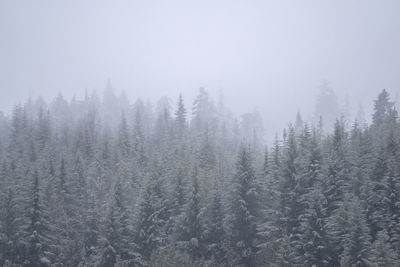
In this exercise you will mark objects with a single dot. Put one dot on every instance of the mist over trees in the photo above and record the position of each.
(105, 182)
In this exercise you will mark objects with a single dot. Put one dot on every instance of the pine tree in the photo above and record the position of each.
(151, 217)
(36, 247)
(392, 204)
(336, 182)
(108, 256)
(35, 224)
(244, 209)
(274, 174)
(376, 193)
(138, 131)
(124, 143)
(215, 234)
(298, 126)
(382, 108)
(206, 155)
(314, 232)
(382, 253)
(92, 232)
(201, 103)
(180, 116)
(163, 132)
(326, 106)
(269, 230)
(357, 240)
(43, 130)
(67, 219)
(118, 232)
(190, 230)
(179, 193)
(9, 216)
(9, 224)
(291, 194)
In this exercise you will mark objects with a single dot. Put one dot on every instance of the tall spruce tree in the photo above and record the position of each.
(180, 117)
(36, 230)
(151, 217)
(244, 208)
(190, 230)
(291, 192)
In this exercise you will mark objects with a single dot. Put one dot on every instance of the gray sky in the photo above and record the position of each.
(271, 55)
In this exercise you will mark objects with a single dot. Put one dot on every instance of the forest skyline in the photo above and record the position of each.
(267, 52)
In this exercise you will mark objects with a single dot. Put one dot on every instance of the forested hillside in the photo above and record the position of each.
(104, 182)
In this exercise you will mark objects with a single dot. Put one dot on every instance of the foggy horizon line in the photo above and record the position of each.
(121, 94)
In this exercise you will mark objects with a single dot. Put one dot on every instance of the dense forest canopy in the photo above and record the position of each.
(105, 182)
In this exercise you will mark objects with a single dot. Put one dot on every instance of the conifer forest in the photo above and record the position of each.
(199, 133)
(104, 182)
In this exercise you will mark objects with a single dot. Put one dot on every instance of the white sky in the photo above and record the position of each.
(269, 55)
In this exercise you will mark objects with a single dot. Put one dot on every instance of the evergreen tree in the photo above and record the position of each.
(9, 224)
(36, 247)
(179, 193)
(118, 232)
(108, 257)
(382, 253)
(244, 209)
(357, 240)
(151, 217)
(336, 181)
(291, 195)
(376, 193)
(124, 143)
(298, 126)
(382, 109)
(215, 233)
(190, 229)
(92, 232)
(326, 107)
(314, 233)
(180, 116)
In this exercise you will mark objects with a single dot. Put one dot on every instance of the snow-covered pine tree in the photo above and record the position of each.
(124, 142)
(356, 241)
(382, 253)
(291, 192)
(215, 232)
(118, 232)
(190, 236)
(244, 209)
(9, 227)
(151, 217)
(180, 117)
(36, 231)
(314, 233)
(382, 108)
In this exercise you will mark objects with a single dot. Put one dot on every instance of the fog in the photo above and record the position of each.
(267, 55)
(116, 149)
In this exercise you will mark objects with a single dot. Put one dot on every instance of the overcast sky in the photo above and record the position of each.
(269, 55)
